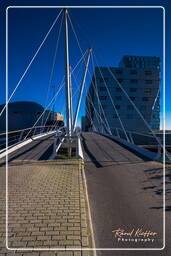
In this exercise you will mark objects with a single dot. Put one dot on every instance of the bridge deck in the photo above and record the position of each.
(98, 148)
(125, 192)
(39, 149)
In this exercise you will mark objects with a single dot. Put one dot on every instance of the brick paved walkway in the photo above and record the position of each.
(47, 208)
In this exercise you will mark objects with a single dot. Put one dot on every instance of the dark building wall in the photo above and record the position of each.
(21, 115)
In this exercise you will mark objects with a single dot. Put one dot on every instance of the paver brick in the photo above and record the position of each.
(58, 237)
(47, 208)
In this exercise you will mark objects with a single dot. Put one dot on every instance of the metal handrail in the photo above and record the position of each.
(19, 134)
(159, 143)
(24, 129)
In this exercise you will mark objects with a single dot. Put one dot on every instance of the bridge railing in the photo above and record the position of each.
(137, 137)
(17, 136)
(144, 140)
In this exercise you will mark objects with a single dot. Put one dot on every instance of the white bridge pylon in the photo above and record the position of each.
(71, 122)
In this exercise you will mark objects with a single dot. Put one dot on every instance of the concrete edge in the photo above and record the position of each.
(142, 151)
(80, 151)
(89, 211)
(20, 145)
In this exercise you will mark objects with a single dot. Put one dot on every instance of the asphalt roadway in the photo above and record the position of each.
(125, 192)
(39, 149)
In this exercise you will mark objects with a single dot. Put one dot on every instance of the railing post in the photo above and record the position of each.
(130, 135)
(117, 132)
(159, 147)
(34, 131)
(21, 135)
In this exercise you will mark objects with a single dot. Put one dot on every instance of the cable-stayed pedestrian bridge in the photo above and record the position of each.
(73, 88)
(67, 188)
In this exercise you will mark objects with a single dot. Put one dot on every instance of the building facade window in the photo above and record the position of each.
(145, 99)
(147, 90)
(143, 108)
(102, 89)
(155, 116)
(148, 72)
(120, 80)
(117, 106)
(133, 89)
(118, 71)
(118, 97)
(132, 98)
(129, 116)
(134, 81)
(104, 79)
(148, 81)
(115, 116)
(118, 89)
(130, 107)
(133, 72)
(102, 97)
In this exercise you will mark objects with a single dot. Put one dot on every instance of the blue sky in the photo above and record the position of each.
(112, 33)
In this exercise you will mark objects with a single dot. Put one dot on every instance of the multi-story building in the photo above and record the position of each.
(123, 96)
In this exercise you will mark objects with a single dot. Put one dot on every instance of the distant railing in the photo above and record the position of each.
(137, 138)
(148, 141)
(17, 136)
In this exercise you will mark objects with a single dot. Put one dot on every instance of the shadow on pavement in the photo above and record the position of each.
(90, 155)
(167, 209)
(155, 175)
(47, 153)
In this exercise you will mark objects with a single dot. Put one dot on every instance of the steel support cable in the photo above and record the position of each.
(50, 110)
(54, 125)
(124, 93)
(100, 118)
(154, 103)
(98, 100)
(78, 42)
(26, 70)
(87, 94)
(55, 96)
(72, 72)
(96, 90)
(88, 112)
(102, 121)
(113, 104)
(137, 110)
(52, 102)
(53, 64)
(155, 100)
(90, 117)
(75, 76)
(46, 108)
(80, 90)
(95, 86)
(77, 90)
(91, 122)
(135, 107)
(107, 125)
(64, 78)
